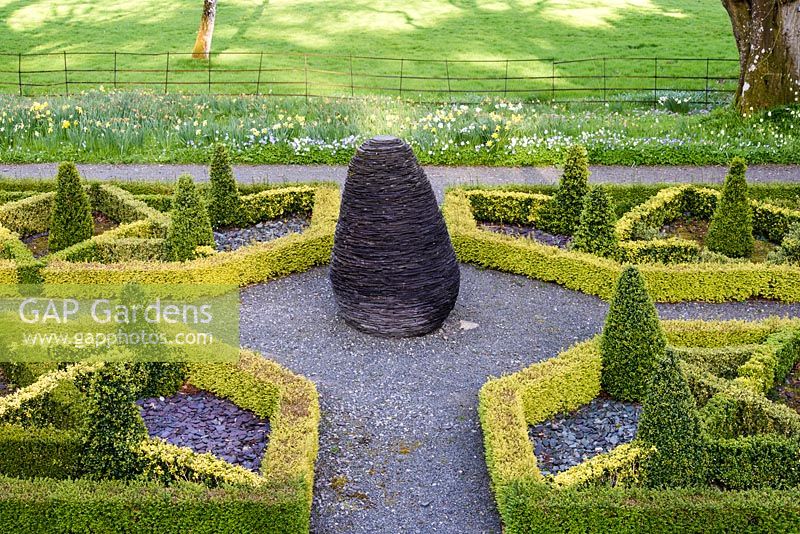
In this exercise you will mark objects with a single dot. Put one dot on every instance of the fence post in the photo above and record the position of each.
(655, 82)
(208, 68)
(605, 83)
(19, 72)
(402, 62)
(707, 73)
(258, 81)
(505, 83)
(166, 75)
(553, 86)
(66, 75)
(447, 73)
(352, 84)
(305, 73)
(115, 69)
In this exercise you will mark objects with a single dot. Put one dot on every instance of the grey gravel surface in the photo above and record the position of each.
(440, 176)
(528, 232)
(400, 446)
(206, 423)
(229, 239)
(567, 440)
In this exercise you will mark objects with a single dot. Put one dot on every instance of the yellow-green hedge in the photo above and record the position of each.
(28, 216)
(248, 265)
(596, 276)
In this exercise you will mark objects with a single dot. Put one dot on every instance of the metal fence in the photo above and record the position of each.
(633, 79)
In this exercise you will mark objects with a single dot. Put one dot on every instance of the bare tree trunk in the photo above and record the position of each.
(202, 46)
(767, 34)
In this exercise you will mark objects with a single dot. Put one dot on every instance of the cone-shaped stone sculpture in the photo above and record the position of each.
(393, 270)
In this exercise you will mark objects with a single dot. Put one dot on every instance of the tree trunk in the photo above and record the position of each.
(767, 34)
(202, 46)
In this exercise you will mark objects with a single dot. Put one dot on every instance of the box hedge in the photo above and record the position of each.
(713, 282)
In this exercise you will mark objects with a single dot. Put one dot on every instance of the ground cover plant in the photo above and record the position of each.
(145, 127)
(712, 453)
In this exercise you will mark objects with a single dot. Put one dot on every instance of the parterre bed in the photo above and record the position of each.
(754, 478)
(672, 268)
(182, 490)
(135, 250)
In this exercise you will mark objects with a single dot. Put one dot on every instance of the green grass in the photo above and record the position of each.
(422, 29)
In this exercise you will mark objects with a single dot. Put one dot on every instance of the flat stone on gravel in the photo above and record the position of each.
(206, 423)
(229, 239)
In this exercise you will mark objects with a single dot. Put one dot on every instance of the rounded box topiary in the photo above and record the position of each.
(224, 201)
(596, 233)
(189, 226)
(731, 229)
(71, 220)
(632, 339)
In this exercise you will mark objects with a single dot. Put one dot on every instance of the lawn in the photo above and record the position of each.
(429, 30)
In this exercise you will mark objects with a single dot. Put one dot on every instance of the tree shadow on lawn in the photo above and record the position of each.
(454, 30)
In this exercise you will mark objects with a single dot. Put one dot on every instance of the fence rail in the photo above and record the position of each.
(605, 79)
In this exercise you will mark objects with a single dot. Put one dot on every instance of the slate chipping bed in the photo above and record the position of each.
(230, 239)
(400, 445)
(569, 439)
(528, 232)
(206, 423)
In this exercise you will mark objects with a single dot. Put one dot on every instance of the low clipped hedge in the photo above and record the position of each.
(248, 265)
(39, 452)
(139, 242)
(198, 492)
(46, 505)
(713, 282)
(16, 261)
(601, 495)
(28, 216)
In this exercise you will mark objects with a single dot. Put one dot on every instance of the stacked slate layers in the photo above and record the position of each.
(393, 270)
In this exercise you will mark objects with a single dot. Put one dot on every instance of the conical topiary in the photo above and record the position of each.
(563, 213)
(189, 226)
(596, 233)
(113, 428)
(670, 422)
(731, 228)
(632, 339)
(71, 221)
(223, 200)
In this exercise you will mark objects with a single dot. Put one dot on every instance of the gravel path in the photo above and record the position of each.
(440, 176)
(567, 440)
(230, 239)
(400, 446)
(206, 423)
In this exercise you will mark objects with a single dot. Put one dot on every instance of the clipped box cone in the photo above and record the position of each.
(393, 270)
